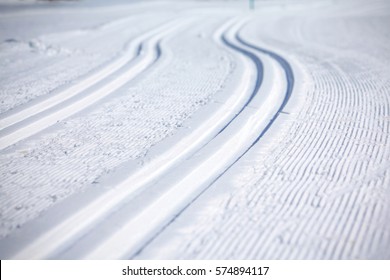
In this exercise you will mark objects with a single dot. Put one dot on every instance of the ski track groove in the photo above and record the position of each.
(289, 82)
(21, 102)
(52, 106)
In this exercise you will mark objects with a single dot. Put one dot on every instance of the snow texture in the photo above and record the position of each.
(183, 130)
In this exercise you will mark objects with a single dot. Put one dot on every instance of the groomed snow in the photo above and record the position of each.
(195, 130)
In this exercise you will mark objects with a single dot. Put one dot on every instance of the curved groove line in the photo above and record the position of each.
(130, 52)
(290, 84)
(51, 115)
(283, 62)
(259, 80)
(260, 75)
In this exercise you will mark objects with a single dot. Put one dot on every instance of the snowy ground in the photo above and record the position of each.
(195, 129)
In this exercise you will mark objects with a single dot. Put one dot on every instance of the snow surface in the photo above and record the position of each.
(195, 130)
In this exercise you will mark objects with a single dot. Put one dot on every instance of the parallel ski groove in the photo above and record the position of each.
(130, 50)
(76, 98)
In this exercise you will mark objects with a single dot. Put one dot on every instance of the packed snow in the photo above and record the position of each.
(195, 129)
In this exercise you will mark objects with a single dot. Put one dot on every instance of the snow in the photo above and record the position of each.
(183, 130)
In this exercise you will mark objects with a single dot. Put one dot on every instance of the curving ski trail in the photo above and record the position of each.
(141, 54)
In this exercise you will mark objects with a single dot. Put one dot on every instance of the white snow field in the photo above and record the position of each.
(195, 129)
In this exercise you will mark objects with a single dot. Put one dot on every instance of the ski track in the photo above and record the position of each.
(40, 104)
(297, 167)
(53, 58)
(85, 93)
